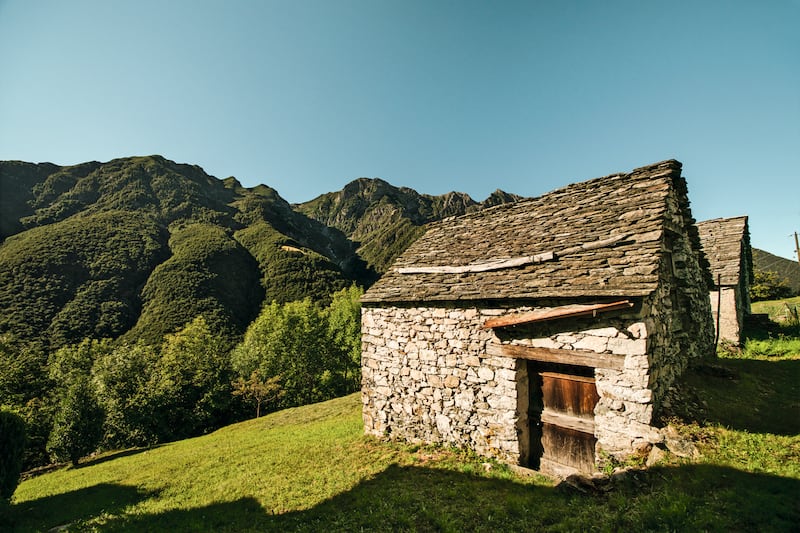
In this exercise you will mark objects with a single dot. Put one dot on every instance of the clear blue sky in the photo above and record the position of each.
(307, 95)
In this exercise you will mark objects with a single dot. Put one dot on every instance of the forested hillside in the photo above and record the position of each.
(139, 246)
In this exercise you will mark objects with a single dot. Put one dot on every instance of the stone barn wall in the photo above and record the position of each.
(732, 317)
(429, 376)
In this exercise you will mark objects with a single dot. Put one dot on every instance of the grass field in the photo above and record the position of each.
(776, 309)
(311, 469)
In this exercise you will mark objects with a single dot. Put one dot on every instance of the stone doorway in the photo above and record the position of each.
(561, 406)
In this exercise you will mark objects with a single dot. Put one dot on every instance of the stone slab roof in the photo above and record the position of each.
(602, 237)
(726, 243)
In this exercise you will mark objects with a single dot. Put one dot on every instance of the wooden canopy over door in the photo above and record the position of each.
(564, 404)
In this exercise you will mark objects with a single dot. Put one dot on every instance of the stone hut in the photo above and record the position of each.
(726, 243)
(545, 332)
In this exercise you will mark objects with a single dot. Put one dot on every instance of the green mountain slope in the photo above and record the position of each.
(383, 219)
(139, 246)
(786, 269)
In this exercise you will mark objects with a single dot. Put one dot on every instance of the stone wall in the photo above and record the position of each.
(427, 378)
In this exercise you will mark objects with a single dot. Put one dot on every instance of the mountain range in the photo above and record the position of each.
(137, 247)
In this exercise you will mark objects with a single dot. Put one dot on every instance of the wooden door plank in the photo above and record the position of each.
(575, 398)
(568, 447)
(575, 423)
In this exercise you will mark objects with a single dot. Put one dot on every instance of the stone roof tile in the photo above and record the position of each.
(726, 243)
(605, 236)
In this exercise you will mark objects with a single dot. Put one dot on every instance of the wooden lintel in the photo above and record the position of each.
(565, 311)
(570, 422)
(552, 355)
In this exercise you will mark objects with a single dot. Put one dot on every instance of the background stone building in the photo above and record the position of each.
(726, 243)
(544, 332)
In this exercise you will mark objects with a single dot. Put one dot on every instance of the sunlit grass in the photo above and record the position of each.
(774, 308)
(311, 469)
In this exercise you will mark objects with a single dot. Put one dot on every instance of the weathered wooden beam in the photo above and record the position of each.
(553, 355)
(487, 266)
(552, 313)
(585, 425)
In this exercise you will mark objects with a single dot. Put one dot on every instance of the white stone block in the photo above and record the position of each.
(592, 343)
(485, 373)
(638, 330)
(627, 346)
(602, 332)
(505, 374)
(545, 342)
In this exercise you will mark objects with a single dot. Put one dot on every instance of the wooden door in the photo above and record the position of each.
(562, 408)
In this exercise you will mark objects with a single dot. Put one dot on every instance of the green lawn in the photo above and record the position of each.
(311, 469)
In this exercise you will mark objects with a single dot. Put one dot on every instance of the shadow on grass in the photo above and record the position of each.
(694, 497)
(753, 395)
(59, 510)
(116, 455)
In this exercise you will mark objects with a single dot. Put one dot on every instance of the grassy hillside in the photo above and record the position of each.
(786, 269)
(311, 469)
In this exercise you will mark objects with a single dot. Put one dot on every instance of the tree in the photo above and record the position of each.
(25, 387)
(344, 336)
(78, 423)
(12, 448)
(23, 374)
(768, 286)
(121, 379)
(191, 383)
(258, 390)
(287, 340)
(75, 361)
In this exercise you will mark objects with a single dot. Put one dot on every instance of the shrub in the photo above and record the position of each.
(768, 286)
(12, 448)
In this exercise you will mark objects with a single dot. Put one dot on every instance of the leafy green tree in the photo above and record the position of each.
(38, 414)
(121, 379)
(344, 337)
(78, 423)
(12, 448)
(26, 388)
(190, 384)
(23, 371)
(75, 361)
(287, 340)
(767, 285)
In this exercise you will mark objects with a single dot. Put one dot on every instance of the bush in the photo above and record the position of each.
(768, 286)
(12, 448)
